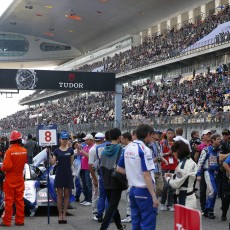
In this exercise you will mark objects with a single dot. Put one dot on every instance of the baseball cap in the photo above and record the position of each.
(170, 129)
(158, 132)
(206, 131)
(88, 137)
(197, 141)
(64, 135)
(99, 136)
(75, 141)
(225, 132)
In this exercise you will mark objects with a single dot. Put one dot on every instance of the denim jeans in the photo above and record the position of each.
(102, 202)
(78, 187)
(86, 184)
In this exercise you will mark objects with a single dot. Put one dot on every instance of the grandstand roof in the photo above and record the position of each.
(88, 24)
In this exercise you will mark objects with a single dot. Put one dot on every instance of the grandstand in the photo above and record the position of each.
(173, 69)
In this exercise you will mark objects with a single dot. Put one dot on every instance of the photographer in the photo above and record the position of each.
(194, 143)
(157, 159)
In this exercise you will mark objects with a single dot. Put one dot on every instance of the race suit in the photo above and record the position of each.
(209, 164)
(13, 186)
(183, 181)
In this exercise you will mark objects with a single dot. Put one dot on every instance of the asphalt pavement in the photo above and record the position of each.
(80, 218)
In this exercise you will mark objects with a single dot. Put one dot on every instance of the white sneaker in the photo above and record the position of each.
(87, 203)
(83, 202)
(170, 209)
(94, 212)
(95, 218)
(33, 211)
(126, 220)
(163, 207)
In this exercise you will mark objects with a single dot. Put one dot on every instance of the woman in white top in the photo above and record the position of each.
(183, 180)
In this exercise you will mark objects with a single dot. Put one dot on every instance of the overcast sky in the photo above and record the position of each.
(9, 106)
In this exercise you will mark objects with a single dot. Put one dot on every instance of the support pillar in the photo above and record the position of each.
(118, 106)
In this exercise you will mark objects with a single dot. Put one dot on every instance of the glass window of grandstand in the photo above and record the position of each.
(13, 45)
(53, 47)
(138, 82)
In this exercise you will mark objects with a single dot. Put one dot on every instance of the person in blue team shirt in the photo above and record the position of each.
(126, 139)
(102, 202)
(137, 163)
(226, 188)
(209, 164)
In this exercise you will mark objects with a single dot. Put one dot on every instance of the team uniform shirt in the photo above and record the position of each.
(14, 161)
(98, 150)
(136, 159)
(183, 182)
(208, 160)
(227, 160)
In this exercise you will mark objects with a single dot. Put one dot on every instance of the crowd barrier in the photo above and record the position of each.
(198, 122)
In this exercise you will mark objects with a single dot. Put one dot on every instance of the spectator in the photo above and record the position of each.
(194, 143)
(179, 133)
(85, 173)
(31, 147)
(113, 192)
(99, 139)
(167, 193)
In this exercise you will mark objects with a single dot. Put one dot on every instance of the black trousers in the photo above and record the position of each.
(113, 196)
(203, 189)
(225, 203)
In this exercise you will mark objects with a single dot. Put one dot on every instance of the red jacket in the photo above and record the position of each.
(166, 146)
(14, 161)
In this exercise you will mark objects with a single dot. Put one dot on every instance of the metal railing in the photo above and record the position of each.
(199, 122)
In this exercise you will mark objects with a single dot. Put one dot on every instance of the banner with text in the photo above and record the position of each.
(186, 218)
(24, 79)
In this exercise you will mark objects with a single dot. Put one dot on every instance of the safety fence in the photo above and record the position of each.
(197, 122)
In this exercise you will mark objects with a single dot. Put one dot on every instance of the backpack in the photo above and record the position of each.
(76, 168)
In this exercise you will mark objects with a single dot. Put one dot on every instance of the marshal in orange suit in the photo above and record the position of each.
(13, 185)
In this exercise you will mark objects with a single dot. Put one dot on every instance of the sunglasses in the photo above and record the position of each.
(64, 139)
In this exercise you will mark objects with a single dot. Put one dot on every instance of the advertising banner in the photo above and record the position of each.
(186, 218)
(24, 79)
